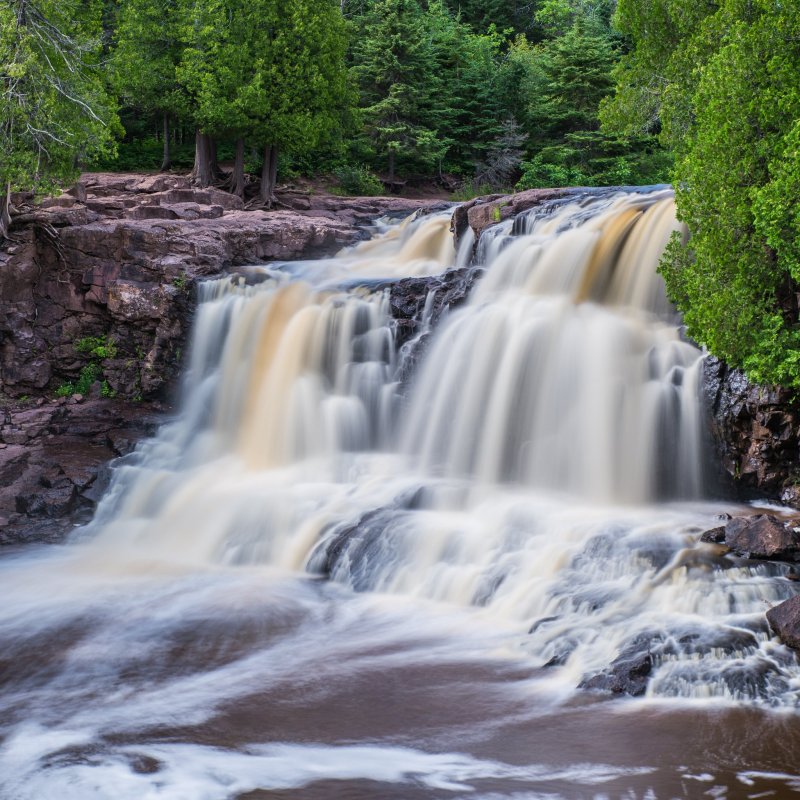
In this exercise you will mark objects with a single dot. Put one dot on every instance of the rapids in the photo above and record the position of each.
(351, 569)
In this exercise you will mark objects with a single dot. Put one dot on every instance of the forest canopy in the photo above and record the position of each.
(484, 95)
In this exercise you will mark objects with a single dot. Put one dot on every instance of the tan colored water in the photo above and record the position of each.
(318, 582)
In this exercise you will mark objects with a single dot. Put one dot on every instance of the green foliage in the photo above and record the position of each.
(97, 348)
(469, 191)
(728, 102)
(149, 47)
(400, 85)
(359, 181)
(488, 91)
(145, 155)
(88, 375)
(54, 109)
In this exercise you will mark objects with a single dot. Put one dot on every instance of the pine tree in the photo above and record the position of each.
(401, 88)
(269, 74)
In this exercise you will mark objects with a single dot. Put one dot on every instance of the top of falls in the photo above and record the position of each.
(602, 248)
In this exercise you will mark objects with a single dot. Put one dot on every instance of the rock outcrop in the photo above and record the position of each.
(121, 262)
(763, 536)
(417, 305)
(784, 619)
(755, 431)
(54, 461)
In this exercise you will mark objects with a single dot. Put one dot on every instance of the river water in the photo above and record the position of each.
(333, 575)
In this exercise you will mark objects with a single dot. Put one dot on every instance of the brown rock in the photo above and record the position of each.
(714, 536)
(784, 619)
(755, 431)
(123, 265)
(762, 536)
(54, 480)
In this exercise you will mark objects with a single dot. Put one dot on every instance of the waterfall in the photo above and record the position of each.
(352, 504)
(547, 415)
(566, 370)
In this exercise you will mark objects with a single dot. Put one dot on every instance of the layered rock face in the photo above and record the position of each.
(54, 461)
(755, 431)
(118, 258)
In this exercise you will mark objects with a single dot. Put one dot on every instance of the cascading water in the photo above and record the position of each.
(519, 519)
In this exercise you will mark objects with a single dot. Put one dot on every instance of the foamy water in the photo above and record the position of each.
(320, 581)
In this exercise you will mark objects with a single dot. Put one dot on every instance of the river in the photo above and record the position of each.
(351, 568)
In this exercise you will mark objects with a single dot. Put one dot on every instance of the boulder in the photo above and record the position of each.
(784, 619)
(54, 480)
(762, 536)
(714, 536)
(627, 674)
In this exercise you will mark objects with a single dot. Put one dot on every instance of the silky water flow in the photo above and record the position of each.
(352, 569)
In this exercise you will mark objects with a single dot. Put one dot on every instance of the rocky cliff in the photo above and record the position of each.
(103, 277)
(755, 432)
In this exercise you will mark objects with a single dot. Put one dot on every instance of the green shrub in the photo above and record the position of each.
(470, 190)
(89, 374)
(97, 346)
(359, 181)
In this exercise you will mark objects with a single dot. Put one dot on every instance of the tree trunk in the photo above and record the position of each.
(167, 161)
(391, 166)
(5, 212)
(212, 159)
(269, 175)
(237, 184)
(203, 172)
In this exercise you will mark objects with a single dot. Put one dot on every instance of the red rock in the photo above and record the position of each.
(762, 536)
(784, 619)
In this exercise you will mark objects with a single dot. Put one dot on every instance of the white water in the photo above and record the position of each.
(507, 506)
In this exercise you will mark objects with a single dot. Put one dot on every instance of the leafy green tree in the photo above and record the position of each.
(306, 92)
(272, 75)
(54, 108)
(725, 96)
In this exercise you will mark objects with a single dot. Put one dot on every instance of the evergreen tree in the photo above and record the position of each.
(577, 75)
(300, 96)
(272, 75)
(402, 92)
(54, 110)
(149, 47)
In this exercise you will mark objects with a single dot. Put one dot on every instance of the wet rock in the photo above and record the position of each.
(409, 296)
(55, 479)
(714, 536)
(762, 536)
(627, 674)
(755, 431)
(118, 258)
(784, 620)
